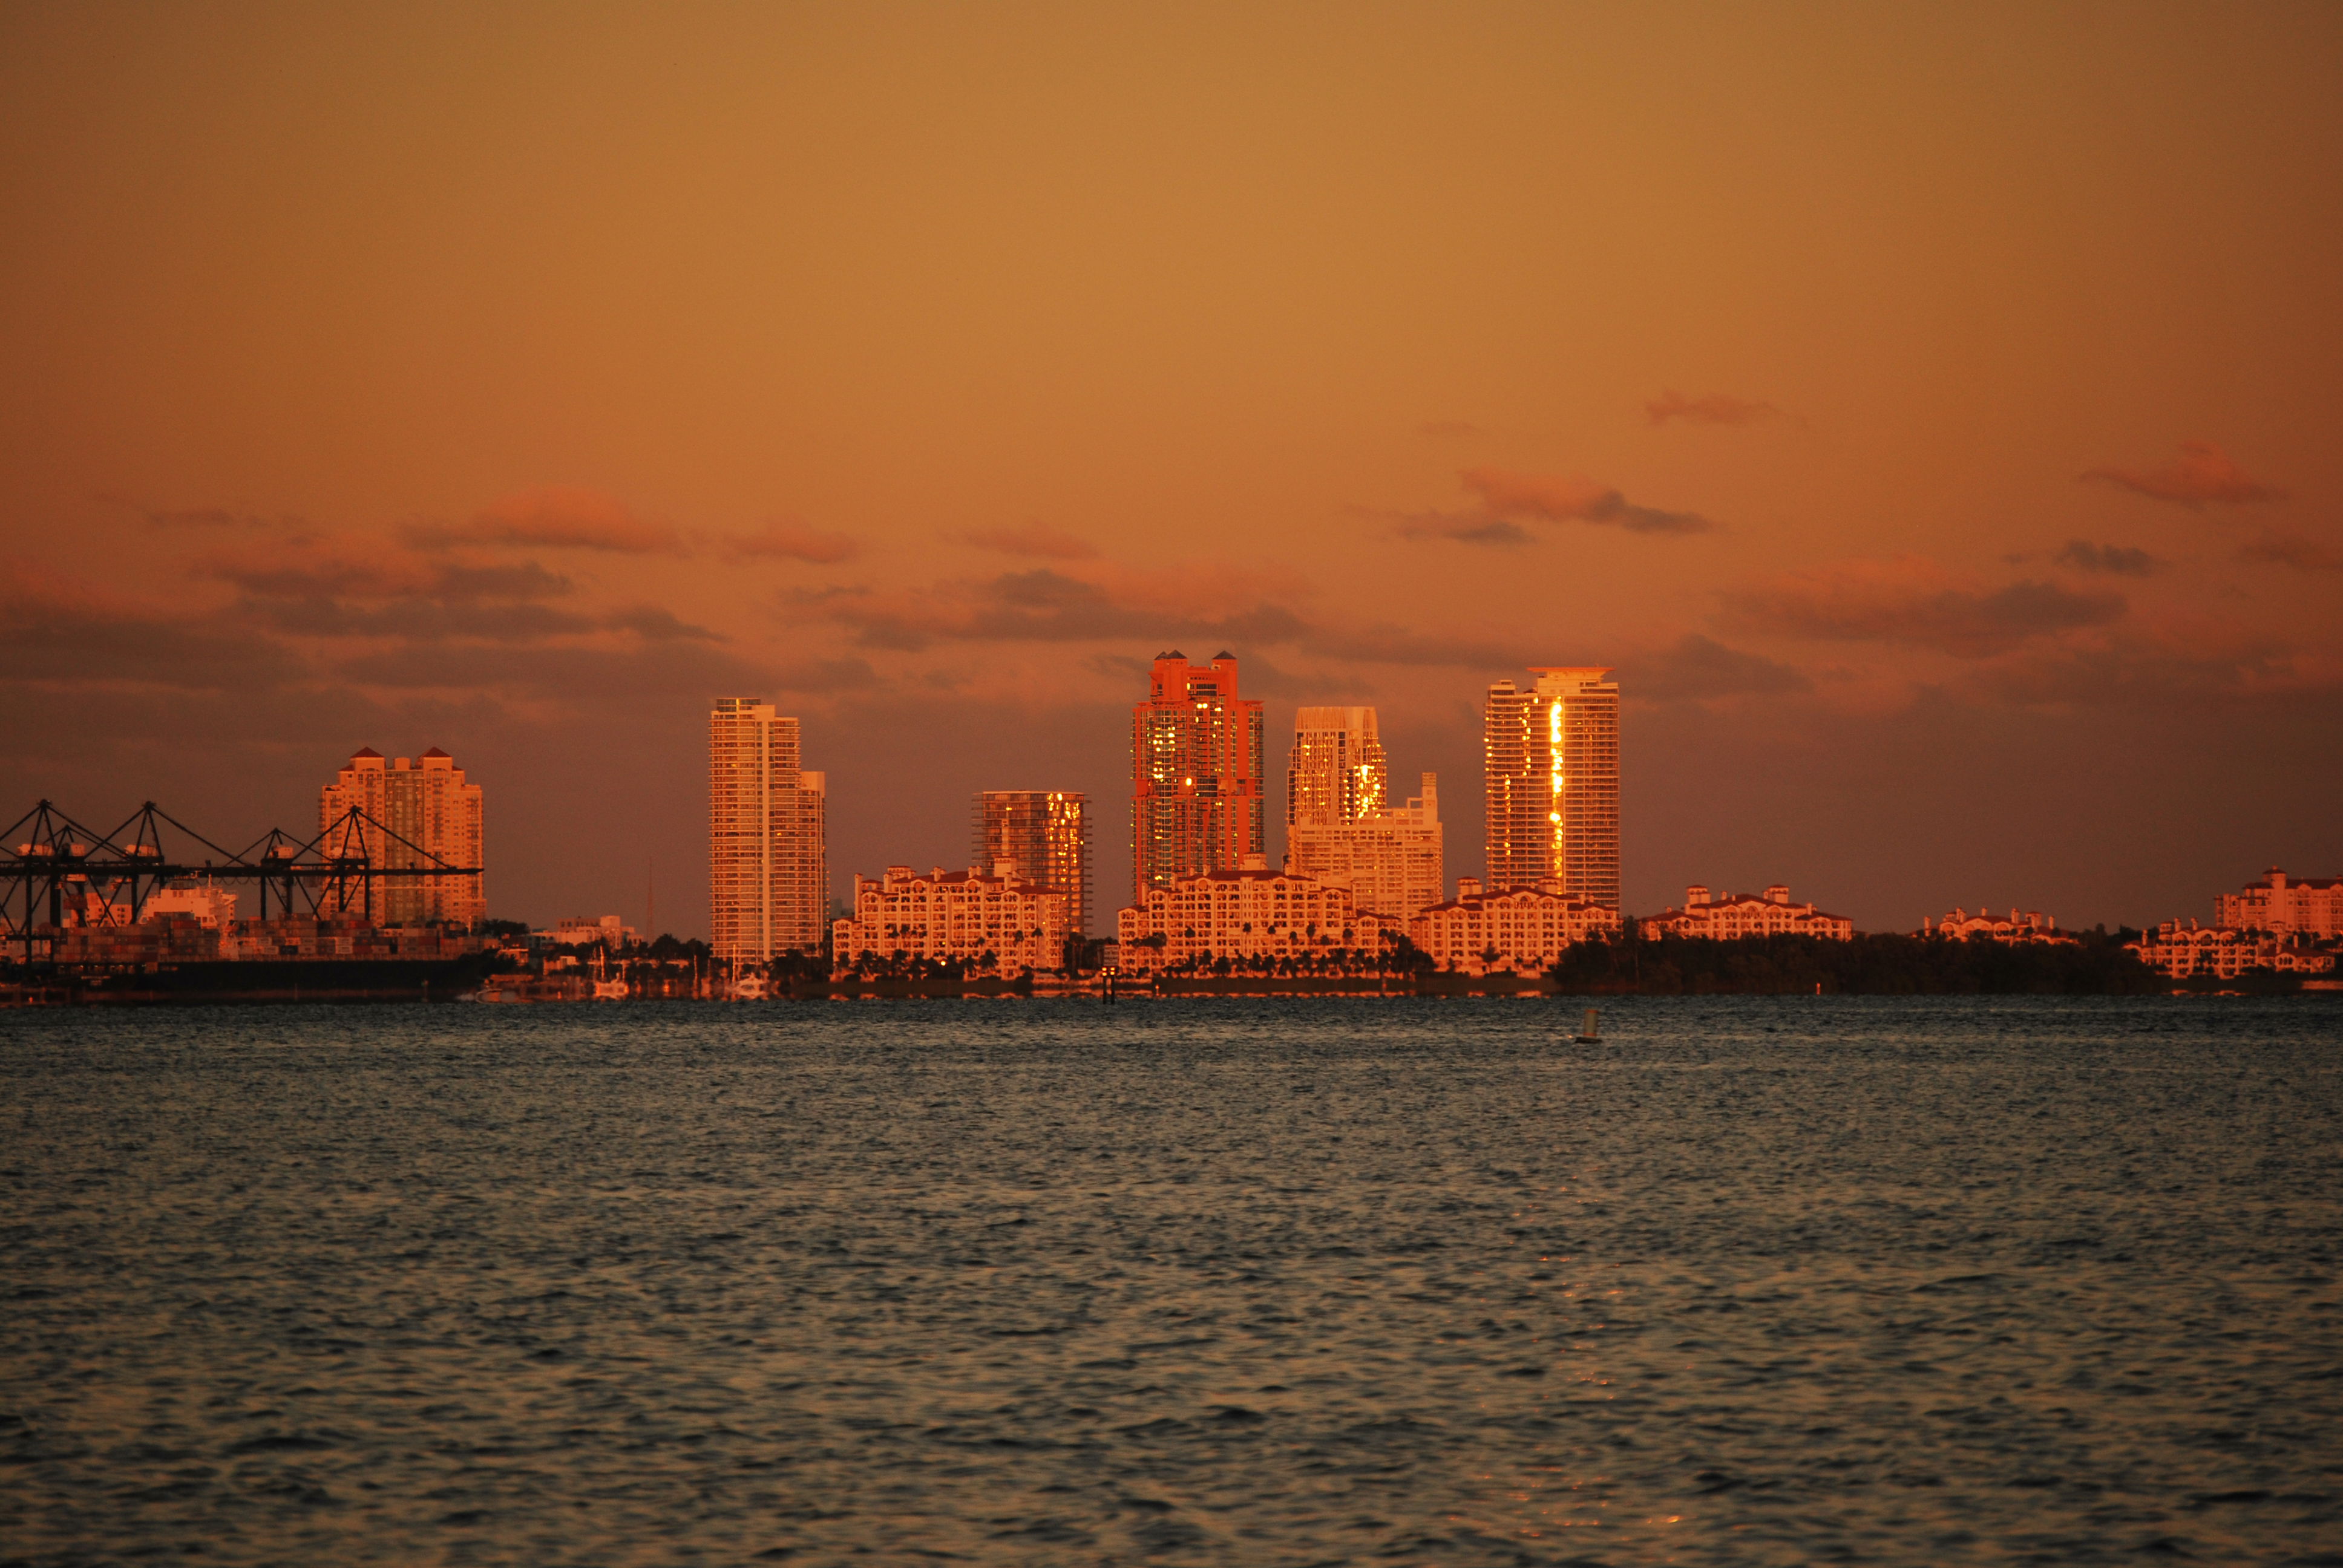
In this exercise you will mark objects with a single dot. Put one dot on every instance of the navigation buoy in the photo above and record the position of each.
(1587, 1036)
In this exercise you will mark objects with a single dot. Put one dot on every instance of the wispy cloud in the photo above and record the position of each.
(2202, 473)
(1716, 408)
(1475, 527)
(364, 569)
(785, 538)
(1152, 609)
(2116, 560)
(2291, 547)
(1915, 603)
(1034, 539)
(59, 631)
(1574, 499)
(557, 516)
(2133, 670)
(1696, 668)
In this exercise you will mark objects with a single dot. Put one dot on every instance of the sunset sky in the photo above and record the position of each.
(1932, 412)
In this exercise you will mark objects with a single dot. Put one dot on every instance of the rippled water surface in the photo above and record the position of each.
(1752, 1282)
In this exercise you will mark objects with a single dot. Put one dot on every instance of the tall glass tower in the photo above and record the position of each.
(1552, 761)
(1195, 773)
(1338, 772)
(1046, 835)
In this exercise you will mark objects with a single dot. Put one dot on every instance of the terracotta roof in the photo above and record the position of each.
(435, 751)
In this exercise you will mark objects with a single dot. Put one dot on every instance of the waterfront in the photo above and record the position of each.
(1753, 1280)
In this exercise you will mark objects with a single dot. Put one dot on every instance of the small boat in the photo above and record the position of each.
(605, 988)
(1586, 1034)
(750, 987)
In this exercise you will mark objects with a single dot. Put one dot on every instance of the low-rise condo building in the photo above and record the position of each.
(1723, 917)
(2017, 927)
(1521, 930)
(2183, 951)
(586, 931)
(989, 922)
(2279, 903)
(1250, 915)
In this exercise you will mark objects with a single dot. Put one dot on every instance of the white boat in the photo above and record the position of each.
(605, 988)
(751, 988)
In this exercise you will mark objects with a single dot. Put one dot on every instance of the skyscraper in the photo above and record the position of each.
(1390, 859)
(1046, 835)
(1552, 783)
(1337, 773)
(768, 864)
(1195, 773)
(426, 802)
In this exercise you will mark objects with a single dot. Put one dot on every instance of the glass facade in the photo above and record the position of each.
(1046, 835)
(1196, 772)
(1552, 762)
(1338, 772)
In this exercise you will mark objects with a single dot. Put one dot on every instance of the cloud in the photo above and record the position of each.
(559, 517)
(58, 632)
(1575, 499)
(786, 539)
(417, 620)
(2142, 671)
(652, 624)
(1697, 668)
(2202, 473)
(1716, 408)
(203, 517)
(1914, 602)
(2291, 547)
(1034, 539)
(1153, 609)
(359, 569)
(2118, 561)
(1463, 527)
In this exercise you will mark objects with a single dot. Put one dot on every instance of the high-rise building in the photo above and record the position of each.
(1391, 860)
(1552, 783)
(1195, 773)
(432, 817)
(1045, 834)
(768, 863)
(1337, 773)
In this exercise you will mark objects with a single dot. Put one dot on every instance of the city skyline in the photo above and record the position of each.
(1919, 412)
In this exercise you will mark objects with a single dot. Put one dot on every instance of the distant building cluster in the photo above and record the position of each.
(2280, 904)
(972, 922)
(2190, 951)
(176, 938)
(1511, 931)
(1361, 888)
(2018, 927)
(1363, 880)
(2279, 924)
(1728, 917)
(1268, 921)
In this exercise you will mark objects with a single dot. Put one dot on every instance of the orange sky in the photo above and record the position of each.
(1931, 412)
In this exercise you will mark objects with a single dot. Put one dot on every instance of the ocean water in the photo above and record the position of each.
(1753, 1280)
